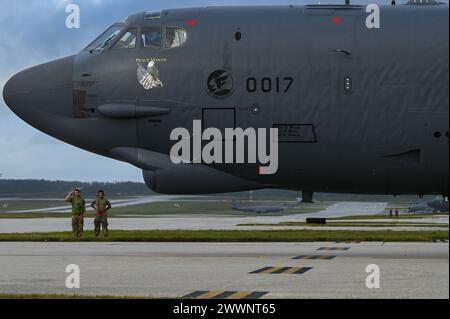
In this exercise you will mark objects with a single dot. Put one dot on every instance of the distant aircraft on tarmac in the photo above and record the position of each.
(356, 108)
(438, 204)
(260, 209)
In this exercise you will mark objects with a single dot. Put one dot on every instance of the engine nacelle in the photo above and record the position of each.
(195, 179)
(163, 176)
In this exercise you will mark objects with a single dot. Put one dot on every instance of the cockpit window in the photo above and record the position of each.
(128, 40)
(152, 15)
(102, 41)
(151, 37)
(175, 37)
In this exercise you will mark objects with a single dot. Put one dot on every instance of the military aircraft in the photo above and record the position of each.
(352, 108)
(258, 209)
(438, 204)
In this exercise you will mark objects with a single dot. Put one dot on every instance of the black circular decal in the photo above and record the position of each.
(220, 83)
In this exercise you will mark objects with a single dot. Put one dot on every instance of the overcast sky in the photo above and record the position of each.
(33, 32)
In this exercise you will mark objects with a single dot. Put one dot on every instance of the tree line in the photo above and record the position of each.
(33, 187)
(30, 187)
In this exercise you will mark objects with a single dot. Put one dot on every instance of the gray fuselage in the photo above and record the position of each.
(358, 110)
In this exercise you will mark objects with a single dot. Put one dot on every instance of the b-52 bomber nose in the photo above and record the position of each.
(44, 90)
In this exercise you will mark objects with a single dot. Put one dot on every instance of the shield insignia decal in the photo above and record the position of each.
(220, 84)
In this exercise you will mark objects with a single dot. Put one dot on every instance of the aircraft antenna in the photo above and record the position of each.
(424, 2)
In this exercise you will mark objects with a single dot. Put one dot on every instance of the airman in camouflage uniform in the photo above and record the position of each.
(101, 206)
(78, 211)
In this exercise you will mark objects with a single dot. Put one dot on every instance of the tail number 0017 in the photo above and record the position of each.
(267, 85)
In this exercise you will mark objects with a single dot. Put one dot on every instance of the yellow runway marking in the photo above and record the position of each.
(334, 248)
(239, 295)
(292, 270)
(270, 270)
(281, 270)
(209, 295)
(226, 295)
(310, 257)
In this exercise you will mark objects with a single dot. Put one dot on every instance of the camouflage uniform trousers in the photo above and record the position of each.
(101, 220)
(77, 225)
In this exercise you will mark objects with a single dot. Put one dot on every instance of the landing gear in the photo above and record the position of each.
(307, 197)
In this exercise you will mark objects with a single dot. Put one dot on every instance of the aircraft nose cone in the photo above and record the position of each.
(46, 88)
(7, 91)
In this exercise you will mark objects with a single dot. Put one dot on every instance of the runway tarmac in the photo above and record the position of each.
(180, 222)
(233, 270)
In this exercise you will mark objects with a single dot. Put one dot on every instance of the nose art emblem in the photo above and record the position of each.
(149, 77)
(220, 84)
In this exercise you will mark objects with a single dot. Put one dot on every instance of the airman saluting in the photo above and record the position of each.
(78, 211)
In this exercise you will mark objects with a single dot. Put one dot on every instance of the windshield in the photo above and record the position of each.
(175, 37)
(102, 41)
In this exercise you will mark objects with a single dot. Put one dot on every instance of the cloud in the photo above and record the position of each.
(34, 32)
(22, 157)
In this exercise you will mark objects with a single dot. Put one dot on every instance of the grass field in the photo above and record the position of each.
(61, 297)
(35, 215)
(6, 206)
(160, 208)
(352, 224)
(386, 216)
(203, 208)
(232, 236)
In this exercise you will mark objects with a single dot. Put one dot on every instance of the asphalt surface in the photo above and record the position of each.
(199, 222)
(236, 270)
